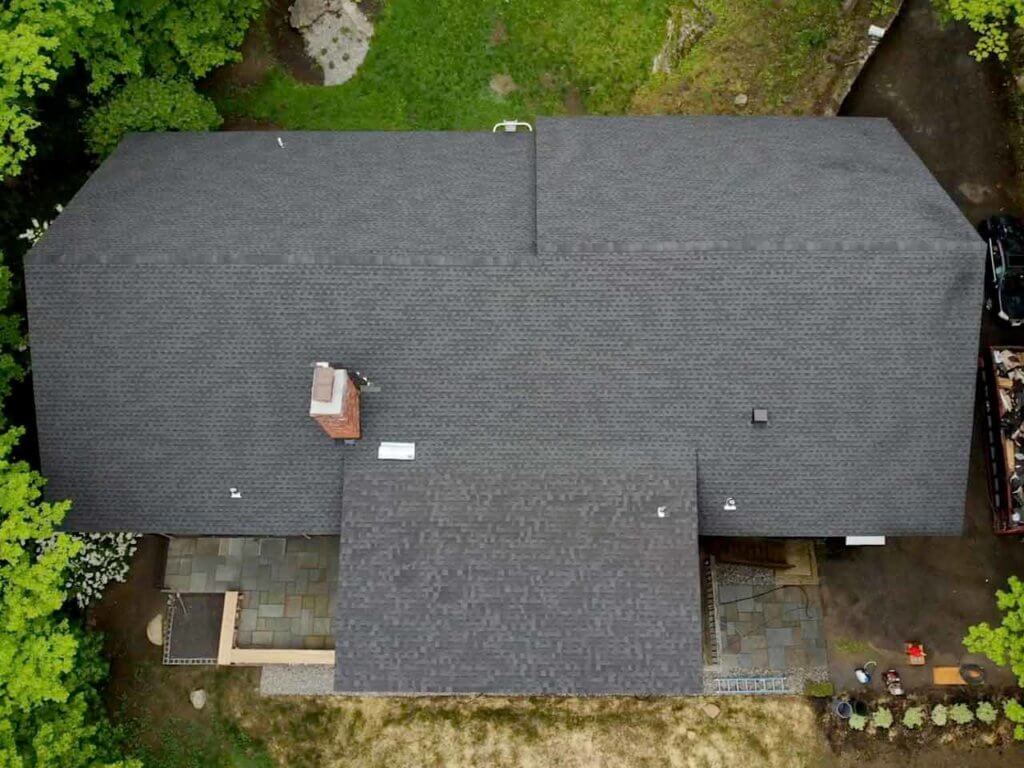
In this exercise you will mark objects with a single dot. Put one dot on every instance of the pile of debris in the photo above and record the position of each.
(1009, 369)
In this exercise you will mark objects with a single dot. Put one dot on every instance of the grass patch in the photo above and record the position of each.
(431, 61)
(778, 53)
(239, 728)
(852, 647)
(819, 689)
(156, 722)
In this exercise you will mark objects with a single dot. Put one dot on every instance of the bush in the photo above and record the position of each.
(819, 689)
(986, 712)
(913, 718)
(1014, 712)
(882, 718)
(1003, 644)
(149, 105)
(961, 714)
(940, 714)
(858, 722)
(102, 559)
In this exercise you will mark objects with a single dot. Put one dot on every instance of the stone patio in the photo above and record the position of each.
(770, 623)
(287, 585)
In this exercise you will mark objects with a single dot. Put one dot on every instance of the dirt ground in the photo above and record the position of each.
(951, 111)
(949, 108)
(125, 610)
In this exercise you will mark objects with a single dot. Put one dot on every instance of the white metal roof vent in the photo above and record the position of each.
(662, 511)
(511, 126)
(759, 415)
(235, 493)
(397, 451)
(730, 504)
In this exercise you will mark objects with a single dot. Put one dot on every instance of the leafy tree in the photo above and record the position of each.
(114, 40)
(991, 19)
(38, 40)
(149, 105)
(50, 713)
(1004, 644)
(1014, 712)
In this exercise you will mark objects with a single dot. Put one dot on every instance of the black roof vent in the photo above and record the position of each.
(759, 416)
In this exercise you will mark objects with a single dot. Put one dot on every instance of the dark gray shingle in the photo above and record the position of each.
(762, 183)
(544, 582)
(161, 385)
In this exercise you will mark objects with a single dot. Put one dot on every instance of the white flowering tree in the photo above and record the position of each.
(103, 559)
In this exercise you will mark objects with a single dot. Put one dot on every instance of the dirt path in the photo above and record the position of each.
(950, 108)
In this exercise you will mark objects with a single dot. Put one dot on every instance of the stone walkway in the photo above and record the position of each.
(770, 623)
(775, 631)
(288, 585)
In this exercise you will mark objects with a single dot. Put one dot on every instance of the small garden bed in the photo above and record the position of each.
(922, 721)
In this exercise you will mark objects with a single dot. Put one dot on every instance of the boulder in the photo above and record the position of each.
(198, 698)
(155, 629)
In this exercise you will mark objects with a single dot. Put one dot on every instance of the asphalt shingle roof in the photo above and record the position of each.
(570, 325)
(546, 582)
(171, 358)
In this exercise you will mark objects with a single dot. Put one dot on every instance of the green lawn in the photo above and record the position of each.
(431, 62)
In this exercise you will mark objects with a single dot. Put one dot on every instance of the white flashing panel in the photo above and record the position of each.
(397, 451)
(865, 541)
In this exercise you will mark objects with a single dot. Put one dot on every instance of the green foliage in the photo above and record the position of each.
(114, 40)
(1004, 644)
(11, 340)
(961, 714)
(913, 718)
(882, 9)
(50, 713)
(882, 718)
(38, 39)
(819, 689)
(940, 715)
(991, 19)
(149, 105)
(182, 744)
(858, 722)
(1014, 712)
(986, 712)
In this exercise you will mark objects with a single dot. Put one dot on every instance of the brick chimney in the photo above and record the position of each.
(334, 402)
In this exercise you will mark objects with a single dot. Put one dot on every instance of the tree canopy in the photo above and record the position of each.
(50, 712)
(1004, 644)
(991, 19)
(114, 41)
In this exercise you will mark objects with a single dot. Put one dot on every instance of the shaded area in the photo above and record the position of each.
(193, 629)
(951, 109)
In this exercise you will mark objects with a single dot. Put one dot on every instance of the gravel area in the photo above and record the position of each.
(297, 680)
(726, 573)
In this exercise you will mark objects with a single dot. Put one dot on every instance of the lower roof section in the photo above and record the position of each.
(513, 582)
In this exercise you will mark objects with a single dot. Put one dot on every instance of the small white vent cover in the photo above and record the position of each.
(397, 451)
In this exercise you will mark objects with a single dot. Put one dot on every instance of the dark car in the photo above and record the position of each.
(1005, 238)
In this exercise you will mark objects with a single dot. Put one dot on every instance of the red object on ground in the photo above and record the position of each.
(915, 653)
